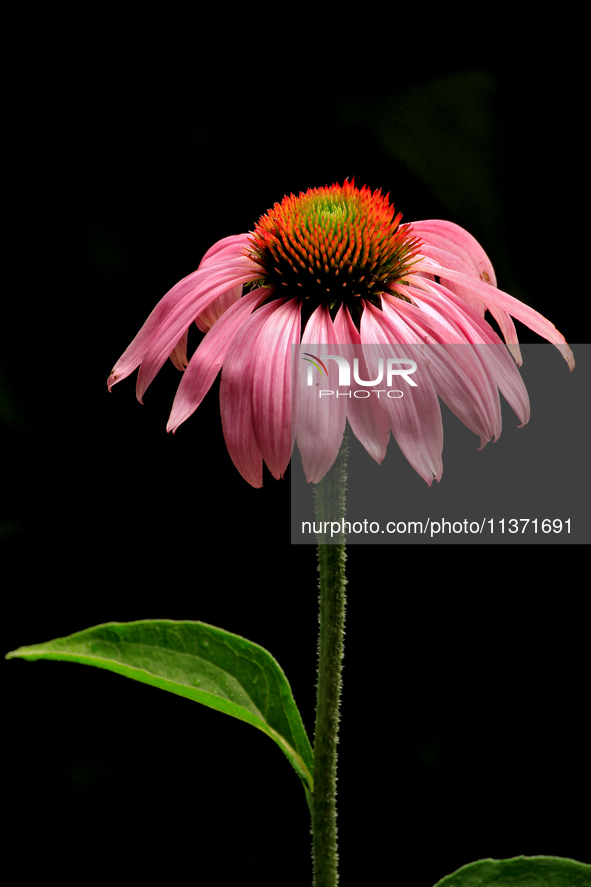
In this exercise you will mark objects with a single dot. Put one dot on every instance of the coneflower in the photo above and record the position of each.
(335, 266)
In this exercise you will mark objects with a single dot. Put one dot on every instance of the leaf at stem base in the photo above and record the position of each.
(206, 664)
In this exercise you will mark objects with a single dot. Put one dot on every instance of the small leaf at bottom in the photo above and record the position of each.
(521, 871)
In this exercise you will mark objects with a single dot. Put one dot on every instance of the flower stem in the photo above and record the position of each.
(330, 506)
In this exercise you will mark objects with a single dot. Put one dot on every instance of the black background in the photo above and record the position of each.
(133, 149)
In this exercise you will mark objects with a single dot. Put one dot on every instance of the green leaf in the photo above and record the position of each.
(521, 871)
(203, 663)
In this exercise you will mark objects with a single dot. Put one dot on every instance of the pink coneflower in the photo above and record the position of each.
(335, 266)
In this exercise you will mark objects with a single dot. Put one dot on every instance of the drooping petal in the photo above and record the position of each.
(236, 401)
(321, 419)
(272, 385)
(133, 354)
(173, 315)
(490, 295)
(215, 309)
(439, 300)
(177, 322)
(456, 240)
(452, 262)
(178, 355)
(209, 357)
(227, 247)
(366, 418)
(415, 418)
(507, 327)
(447, 259)
(461, 379)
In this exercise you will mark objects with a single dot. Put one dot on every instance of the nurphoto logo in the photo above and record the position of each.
(392, 368)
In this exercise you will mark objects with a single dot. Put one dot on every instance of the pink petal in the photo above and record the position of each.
(507, 327)
(174, 313)
(366, 418)
(461, 380)
(451, 262)
(209, 357)
(272, 385)
(178, 354)
(415, 419)
(492, 351)
(236, 396)
(321, 421)
(215, 309)
(492, 296)
(227, 247)
(158, 349)
(456, 240)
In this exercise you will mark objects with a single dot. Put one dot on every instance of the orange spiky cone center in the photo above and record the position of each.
(333, 244)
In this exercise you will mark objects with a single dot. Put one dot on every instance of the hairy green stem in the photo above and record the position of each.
(330, 506)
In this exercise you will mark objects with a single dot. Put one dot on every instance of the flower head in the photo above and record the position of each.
(335, 266)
